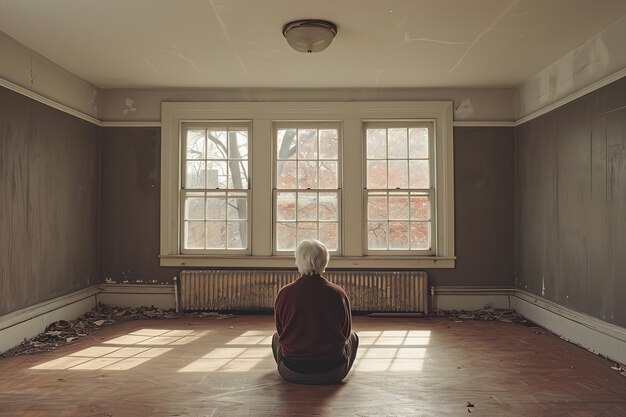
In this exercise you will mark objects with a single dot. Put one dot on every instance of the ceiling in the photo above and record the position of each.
(238, 43)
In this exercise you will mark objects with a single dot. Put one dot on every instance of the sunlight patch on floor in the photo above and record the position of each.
(123, 357)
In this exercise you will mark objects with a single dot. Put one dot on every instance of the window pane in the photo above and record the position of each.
(376, 174)
(398, 174)
(215, 160)
(419, 174)
(216, 207)
(237, 235)
(307, 174)
(237, 207)
(216, 175)
(286, 236)
(377, 235)
(376, 143)
(195, 176)
(397, 143)
(399, 235)
(196, 144)
(420, 235)
(286, 144)
(307, 206)
(420, 208)
(194, 208)
(328, 206)
(216, 235)
(328, 174)
(316, 167)
(418, 142)
(307, 230)
(377, 208)
(328, 143)
(286, 206)
(216, 144)
(238, 174)
(398, 207)
(238, 144)
(286, 174)
(307, 144)
(328, 235)
(194, 235)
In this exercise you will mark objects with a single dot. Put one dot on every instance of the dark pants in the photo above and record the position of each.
(333, 376)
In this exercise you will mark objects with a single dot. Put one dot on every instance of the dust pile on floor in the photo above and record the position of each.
(486, 314)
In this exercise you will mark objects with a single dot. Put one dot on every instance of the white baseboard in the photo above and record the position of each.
(29, 322)
(137, 295)
(470, 298)
(588, 332)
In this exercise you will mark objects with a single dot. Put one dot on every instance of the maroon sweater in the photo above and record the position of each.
(313, 319)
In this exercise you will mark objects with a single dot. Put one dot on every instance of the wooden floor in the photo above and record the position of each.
(405, 367)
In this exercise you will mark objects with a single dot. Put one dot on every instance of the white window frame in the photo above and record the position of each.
(431, 191)
(352, 115)
(307, 124)
(227, 191)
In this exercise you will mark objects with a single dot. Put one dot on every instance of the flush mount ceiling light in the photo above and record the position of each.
(309, 35)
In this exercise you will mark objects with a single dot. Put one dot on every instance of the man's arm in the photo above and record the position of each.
(277, 313)
(347, 328)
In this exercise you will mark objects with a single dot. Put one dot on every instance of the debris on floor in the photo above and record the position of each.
(63, 332)
(619, 368)
(469, 407)
(486, 314)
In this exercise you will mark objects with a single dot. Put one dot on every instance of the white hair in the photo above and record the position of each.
(311, 257)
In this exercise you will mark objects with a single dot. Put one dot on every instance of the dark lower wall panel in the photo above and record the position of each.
(571, 204)
(130, 198)
(483, 194)
(48, 202)
(483, 197)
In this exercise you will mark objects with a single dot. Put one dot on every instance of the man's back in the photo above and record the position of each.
(313, 318)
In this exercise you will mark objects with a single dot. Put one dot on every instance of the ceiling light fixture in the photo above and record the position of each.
(309, 35)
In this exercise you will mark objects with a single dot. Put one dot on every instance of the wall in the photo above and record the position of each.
(571, 204)
(25, 68)
(130, 197)
(601, 57)
(144, 105)
(483, 196)
(48, 202)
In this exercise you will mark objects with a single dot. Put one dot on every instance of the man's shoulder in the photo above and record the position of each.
(335, 287)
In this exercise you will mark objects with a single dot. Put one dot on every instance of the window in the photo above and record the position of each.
(306, 192)
(399, 187)
(242, 183)
(214, 191)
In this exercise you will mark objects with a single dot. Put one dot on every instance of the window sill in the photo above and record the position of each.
(339, 262)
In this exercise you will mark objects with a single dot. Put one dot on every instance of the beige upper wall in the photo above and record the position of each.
(495, 104)
(25, 68)
(600, 57)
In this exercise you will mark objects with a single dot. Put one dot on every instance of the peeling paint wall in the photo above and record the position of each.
(30, 70)
(48, 202)
(483, 197)
(597, 58)
(571, 204)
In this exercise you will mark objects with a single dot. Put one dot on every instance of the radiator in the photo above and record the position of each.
(256, 290)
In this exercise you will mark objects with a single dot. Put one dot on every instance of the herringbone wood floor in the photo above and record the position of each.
(405, 367)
